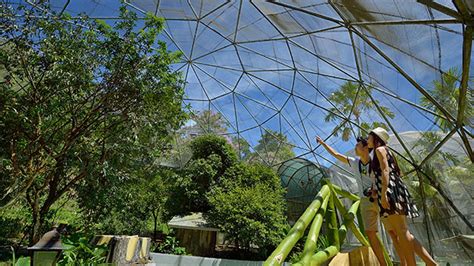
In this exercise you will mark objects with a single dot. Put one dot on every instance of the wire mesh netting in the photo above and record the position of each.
(279, 73)
(302, 180)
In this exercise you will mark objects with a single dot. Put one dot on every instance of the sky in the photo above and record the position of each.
(272, 74)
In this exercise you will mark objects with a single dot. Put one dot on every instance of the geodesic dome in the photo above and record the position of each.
(277, 66)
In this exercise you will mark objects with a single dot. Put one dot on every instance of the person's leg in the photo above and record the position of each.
(376, 246)
(396, 245)
(395, 241)
(423, 253)
(405, 239)
(370, 217)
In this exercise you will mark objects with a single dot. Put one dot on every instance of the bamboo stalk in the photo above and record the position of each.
(360, 220)
(385, 252)
(332, 222)
(353, 210)
(310, 245)
(324, 255)
(345, 193)
(343, 232)
(350, 215)
(281, 252)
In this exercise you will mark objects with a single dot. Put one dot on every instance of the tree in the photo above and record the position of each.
(438, 169)
(249, 207)
(446, 92)
(212, 155)
(201, 123)
(272, 148)
(80, 100)
(214, 123)
(242, 146)
(345, 100)
(128, 206)
(209, 122)
(246, 201)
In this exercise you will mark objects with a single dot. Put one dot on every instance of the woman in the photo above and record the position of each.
(393, 198)
(359, 168)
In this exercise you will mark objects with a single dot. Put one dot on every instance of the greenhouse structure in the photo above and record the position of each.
(292, 70)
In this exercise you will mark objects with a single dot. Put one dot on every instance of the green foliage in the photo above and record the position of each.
(247, 175)
(446, 93)
(249, 207)
(294, 256)
(13, 222)
(446, 171)
(212, 156)
(345, 101)
(249, 215)
(170, 245)
(242, 146)
(127, 206)
(296, 253)
(207, 145)
(245, 201)
(323, 242)
(80, 251)
(22, 261)
(272, 148)
(81, 102)
(209, 122)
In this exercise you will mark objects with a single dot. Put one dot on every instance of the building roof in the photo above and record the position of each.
(194, 221)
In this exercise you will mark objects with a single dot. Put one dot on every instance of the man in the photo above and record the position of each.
(369, 208)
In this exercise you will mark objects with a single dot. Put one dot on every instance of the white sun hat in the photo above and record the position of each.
(381, 133)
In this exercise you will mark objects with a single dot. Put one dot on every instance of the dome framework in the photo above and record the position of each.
(277, 66)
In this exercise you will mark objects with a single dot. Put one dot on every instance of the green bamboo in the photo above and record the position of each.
(332, 222)
(281, 252)
(353, 210)
(319, 259)
(345, 193)
(350, 215)
(348, 218)
(360, 220)
(358, 234)
(324, 255)
(385, 252)
(343, 232)
(310, 245)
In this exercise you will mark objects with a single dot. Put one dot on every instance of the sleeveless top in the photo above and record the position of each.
(398, 196)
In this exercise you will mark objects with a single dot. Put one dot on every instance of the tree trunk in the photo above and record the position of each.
(39, 214)
(155, 218)
(32, 199)
(359, 131)
(35, 233)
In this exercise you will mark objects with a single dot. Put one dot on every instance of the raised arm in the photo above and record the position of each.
(333, 152)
